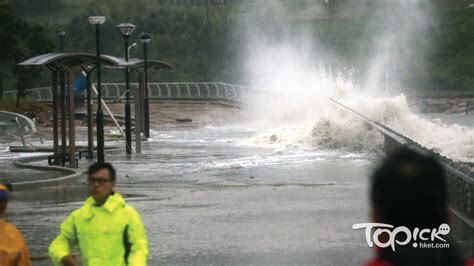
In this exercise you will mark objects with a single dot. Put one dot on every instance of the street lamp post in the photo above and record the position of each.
(145, 38)
(61, 34)
(97, 21)
(126, 30)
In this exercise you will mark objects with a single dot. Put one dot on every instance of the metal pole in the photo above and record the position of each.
(128, 122)
(90, 127)
(100, 114)
(63, 103)
(54, 80)
(72, 144)
(138, 114)
(63, 112)
(146, 102)
(61, 37)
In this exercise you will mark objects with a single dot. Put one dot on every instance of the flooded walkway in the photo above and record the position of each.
(208, 195)
(215, 194)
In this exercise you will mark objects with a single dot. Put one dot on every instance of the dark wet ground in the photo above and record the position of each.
(207, 197)
(210, 196)
(209, 224)
(10, 173)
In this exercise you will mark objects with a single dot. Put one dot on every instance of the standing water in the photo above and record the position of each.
(209, 195)
(239, 193)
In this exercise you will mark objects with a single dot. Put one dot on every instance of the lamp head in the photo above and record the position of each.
(60, 32)
(96, 20)
(126, 29)
(145, 37)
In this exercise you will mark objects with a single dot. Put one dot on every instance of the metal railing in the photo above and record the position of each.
(205, 91)
(181, 90)
(42, 94)
(460, 182)
(19, 126)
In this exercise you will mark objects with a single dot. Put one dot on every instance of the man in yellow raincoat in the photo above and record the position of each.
(106, 229)
(13, 251)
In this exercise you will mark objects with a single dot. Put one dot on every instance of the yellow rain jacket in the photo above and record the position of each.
(111, 234)
(13, 250)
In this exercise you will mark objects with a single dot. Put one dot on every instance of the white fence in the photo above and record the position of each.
(206, 91)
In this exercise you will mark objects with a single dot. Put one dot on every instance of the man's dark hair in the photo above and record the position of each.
(409, 189)
(102, 165)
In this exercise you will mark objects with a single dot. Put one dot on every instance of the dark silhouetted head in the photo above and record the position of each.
(409, 189)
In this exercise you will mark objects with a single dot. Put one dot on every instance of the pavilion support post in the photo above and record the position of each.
(54, 81)
(72, 142)
(62, 100)
(90, 126)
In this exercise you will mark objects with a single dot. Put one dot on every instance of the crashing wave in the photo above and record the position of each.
(335, 128)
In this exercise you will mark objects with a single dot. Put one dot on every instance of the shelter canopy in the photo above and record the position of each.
(70, 61)
(139, 64)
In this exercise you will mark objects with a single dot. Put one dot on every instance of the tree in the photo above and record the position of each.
(35, 7)
(23, 41)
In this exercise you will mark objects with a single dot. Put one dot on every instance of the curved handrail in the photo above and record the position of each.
(200, 91)
(25, 123)
(460, 182)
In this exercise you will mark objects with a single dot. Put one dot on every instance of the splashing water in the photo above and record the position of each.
(298, 80)
(453, 141)
(327, 126)
(298, 113)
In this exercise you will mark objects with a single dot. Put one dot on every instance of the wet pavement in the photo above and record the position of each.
(10, 173)
(215, 195)
(208, 195)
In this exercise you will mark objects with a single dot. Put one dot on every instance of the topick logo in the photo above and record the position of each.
(373, 231)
